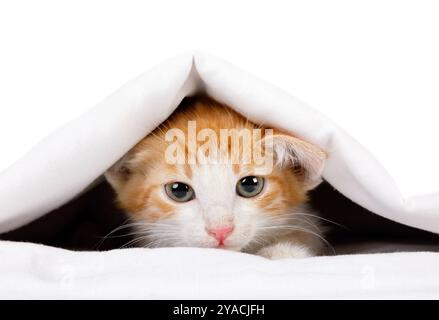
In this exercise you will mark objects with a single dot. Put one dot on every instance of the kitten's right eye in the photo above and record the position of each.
(250, 186)
(179, 191)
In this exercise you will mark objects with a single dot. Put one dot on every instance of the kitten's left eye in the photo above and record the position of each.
(250, 186)
(179, 191)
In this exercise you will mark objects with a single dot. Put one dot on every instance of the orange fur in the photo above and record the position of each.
(148, 168)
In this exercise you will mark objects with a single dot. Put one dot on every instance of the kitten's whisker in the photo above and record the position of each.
(133, 241)
(324, 219)
(146, 237)
(158, 242)
(312, 233)
(308, 222)
(121, 227)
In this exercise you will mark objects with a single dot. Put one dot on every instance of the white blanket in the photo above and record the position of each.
(72, 158)
(39, 272)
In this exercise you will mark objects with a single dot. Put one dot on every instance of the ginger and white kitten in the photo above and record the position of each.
(223, 205)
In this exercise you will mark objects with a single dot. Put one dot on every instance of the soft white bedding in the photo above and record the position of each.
(68, 161)
(39, 272)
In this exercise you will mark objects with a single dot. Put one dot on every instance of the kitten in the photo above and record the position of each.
(242, 206)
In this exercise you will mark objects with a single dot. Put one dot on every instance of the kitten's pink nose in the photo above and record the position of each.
(221, 233)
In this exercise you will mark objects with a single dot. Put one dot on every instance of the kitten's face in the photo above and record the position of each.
(231, 206)
(209, 205)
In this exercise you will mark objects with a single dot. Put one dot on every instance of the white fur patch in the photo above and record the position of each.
(283, 250)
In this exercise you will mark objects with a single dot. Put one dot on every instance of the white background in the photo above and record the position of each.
(372, 66)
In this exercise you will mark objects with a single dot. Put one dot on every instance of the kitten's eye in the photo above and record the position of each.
(249, 186)
(179, 191)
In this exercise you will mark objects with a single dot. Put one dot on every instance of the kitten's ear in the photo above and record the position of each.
(308, 160)
(118, 173)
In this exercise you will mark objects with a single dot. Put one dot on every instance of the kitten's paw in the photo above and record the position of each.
(285, 250)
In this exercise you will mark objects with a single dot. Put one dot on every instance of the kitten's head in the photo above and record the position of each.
(213, 204)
